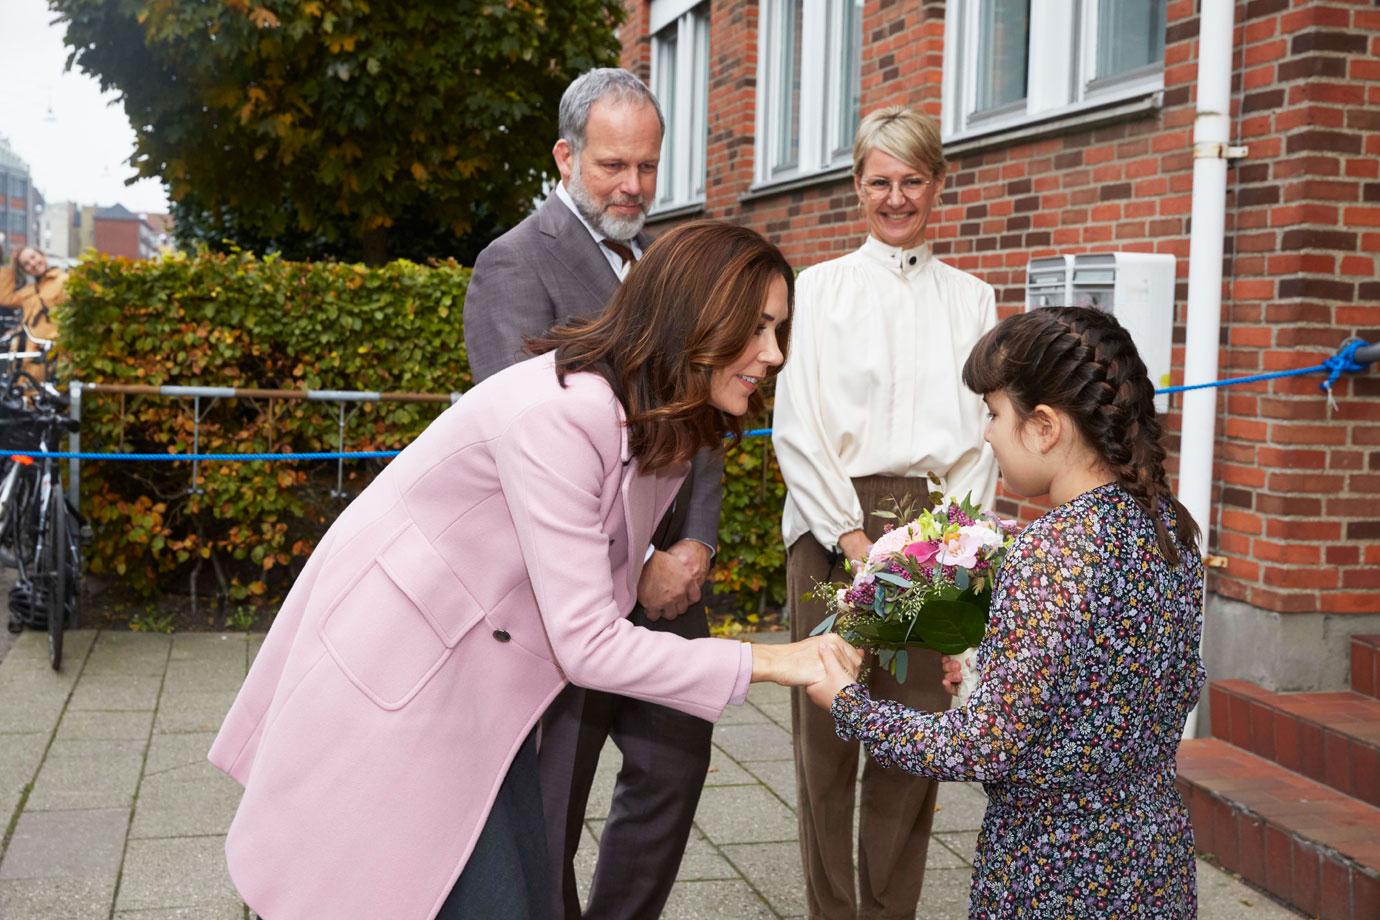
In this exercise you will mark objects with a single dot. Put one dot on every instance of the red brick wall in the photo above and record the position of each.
(1297, 491)
(118, 238)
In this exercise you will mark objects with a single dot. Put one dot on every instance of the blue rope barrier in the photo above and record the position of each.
(1343, 362)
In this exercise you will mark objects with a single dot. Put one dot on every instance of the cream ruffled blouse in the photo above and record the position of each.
(873, 386)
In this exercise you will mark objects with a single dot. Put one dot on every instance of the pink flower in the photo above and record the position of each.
(962, 548)
(922, 551)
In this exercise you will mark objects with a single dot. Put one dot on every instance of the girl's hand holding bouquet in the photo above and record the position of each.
(926, 583)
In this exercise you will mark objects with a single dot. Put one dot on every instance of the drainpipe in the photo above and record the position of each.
(1211, 138)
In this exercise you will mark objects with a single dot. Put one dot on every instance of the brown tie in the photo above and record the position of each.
(622, 250)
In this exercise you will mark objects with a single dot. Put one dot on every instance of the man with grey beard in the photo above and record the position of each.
(564, 262)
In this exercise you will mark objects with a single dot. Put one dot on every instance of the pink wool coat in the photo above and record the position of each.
(491, 562)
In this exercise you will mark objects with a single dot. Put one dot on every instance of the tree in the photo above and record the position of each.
(343, 128)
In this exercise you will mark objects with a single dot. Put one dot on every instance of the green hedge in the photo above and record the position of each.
(238, 320)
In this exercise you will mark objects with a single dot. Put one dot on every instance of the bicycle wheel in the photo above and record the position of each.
(53, 578)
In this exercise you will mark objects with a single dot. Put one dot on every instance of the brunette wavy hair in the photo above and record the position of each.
(690, 306)
(1082, 361)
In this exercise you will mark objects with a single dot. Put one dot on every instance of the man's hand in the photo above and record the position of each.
(695, 556)
(841, 666)
(855, 545)
(667, 586)
(953, 673)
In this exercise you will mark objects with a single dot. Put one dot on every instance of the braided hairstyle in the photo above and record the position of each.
(1082, 361)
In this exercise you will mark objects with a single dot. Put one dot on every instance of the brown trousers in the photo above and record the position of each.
(897, 808)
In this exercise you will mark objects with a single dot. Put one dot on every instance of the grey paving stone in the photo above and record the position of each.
(176, 872)
(780, 713)
(741, 715)
(715, 900)
(767, 692)
(945, 895)
(744, 814)
(193, 711)
(19, 759)
(106, 780)
(703, 861)
(225, 911)
(962, 844)
(168, 752)
(774, 870)
(779, 777)
(949, 851)
(585, 858)
(750, 743)
(256, 642)
(227, 647)
(57, 898)
(960, 807)
(31, 649)
(203, 675)
(133, 692)
(187, 801)
(105, 726)
(724, 771)
(1223, 896)
(66, 844)
(25, 714)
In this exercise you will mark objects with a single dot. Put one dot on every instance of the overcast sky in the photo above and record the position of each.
(80, 152)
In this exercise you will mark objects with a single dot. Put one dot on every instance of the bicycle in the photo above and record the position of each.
(37, 524)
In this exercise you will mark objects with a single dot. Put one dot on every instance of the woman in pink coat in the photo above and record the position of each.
(385, 735)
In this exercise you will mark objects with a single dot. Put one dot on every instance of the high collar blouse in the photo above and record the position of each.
(873, 384)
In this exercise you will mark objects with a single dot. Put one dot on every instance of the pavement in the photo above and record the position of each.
(110, 809)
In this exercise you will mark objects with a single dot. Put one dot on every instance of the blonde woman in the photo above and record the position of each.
(871, 402)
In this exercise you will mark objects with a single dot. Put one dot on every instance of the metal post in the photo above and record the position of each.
(1211, 137)
(74, 445)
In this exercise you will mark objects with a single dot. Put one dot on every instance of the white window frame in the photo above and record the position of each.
(1060, 72)
(681, 176)
(822, 56)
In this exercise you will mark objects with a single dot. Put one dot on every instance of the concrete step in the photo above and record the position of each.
(1365, 665)
(1332, 738)
(1306, 843)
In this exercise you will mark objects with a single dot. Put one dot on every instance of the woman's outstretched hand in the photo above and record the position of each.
(801, 664)
(840, 669)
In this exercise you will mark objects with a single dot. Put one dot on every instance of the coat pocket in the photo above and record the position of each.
(394, 628)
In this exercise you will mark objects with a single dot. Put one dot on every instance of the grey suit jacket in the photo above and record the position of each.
(546, 271)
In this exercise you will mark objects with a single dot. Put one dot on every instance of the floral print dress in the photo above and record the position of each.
(1088, 670)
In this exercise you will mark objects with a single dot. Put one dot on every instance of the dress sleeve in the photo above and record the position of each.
(812, 470)
(1037, 604)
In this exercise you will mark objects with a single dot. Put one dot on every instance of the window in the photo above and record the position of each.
(808, 86)
(680, 79)
(1008, 62)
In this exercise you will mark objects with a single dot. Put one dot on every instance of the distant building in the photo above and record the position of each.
(60, 230)
(20, 202)
(162, 227)
(118, 231)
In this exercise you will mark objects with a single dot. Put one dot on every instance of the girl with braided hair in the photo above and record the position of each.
(1090, 664)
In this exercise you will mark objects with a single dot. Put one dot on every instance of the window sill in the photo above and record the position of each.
(779, 187)
(1062, 123)
(675, 212)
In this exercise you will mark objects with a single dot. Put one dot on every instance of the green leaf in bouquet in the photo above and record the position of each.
(962, 579)
(896, 580)
(900, 664)
(885, 657)
(973, 511)
(825, 625)
(878, 603)
(952, 626)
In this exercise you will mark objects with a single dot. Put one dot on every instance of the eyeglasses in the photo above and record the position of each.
(911, 186)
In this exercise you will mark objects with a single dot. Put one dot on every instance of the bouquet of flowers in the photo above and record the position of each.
(926, 583)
